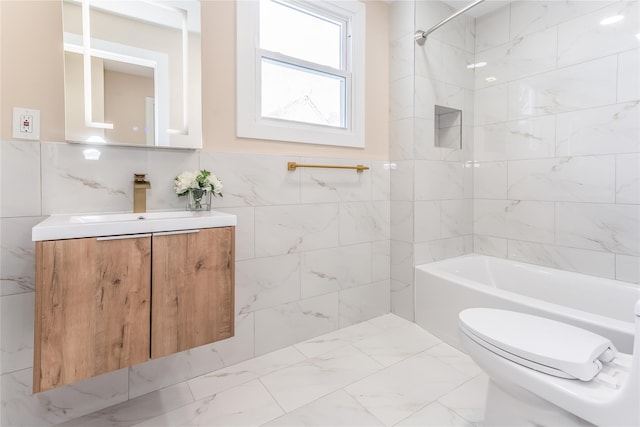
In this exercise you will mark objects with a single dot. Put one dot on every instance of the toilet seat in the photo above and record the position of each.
(538, 343)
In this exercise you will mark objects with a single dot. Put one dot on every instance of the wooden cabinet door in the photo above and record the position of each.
(192, 289)
(92, 308)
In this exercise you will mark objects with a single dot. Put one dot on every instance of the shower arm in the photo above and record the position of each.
(421, 36)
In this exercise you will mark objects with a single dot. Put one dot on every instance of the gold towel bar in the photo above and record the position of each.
(359, 168)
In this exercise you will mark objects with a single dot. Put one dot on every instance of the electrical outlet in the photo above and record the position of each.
(26, 123)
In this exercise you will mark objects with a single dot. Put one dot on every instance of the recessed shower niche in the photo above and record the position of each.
(448, 127)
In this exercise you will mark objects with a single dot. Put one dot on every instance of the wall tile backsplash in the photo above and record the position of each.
(312, 255)
(20, 160)
(78, 178)
(17, 255)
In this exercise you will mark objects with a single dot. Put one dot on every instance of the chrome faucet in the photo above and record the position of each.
(140, 187)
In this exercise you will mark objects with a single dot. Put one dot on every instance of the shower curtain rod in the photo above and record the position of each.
(421, 36)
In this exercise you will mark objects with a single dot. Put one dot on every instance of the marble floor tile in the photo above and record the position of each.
(240, 373)
(335, 409)
(406, 387)
(434, 415)
(304, 382)
(453, 358)
(468, 400)
(338, 339)
(384, 371)
(397, 344)
(390, 321)
(137, 410)
(20, 407)
(248, 404)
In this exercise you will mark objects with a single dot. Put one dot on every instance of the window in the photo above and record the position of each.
(300, 71)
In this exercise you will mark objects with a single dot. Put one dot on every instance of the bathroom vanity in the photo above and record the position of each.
(116, 290)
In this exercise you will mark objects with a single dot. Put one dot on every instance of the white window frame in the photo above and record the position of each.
(251, 124)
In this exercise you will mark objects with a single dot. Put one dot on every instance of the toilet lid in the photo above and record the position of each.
(538, 343)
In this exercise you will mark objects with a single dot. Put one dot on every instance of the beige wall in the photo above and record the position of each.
(31, 73)
(219, 103)
(38, 24)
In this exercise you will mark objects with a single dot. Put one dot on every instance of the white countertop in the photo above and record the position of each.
(57, 227)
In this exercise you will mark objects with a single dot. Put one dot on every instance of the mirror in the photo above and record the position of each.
(448, 127)
(132, 72)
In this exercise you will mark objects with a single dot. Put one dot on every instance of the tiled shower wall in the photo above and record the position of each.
(557, 136)
(312, 252)
(431, 188)
(549, 169)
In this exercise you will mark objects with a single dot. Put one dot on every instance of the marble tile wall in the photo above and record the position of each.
(312, 252)
(557, 136)
(431, 187)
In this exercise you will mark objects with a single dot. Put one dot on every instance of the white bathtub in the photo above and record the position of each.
(444, 288)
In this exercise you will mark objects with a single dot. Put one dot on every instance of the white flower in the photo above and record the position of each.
(215, 184)
(197, 179)
(185, 181)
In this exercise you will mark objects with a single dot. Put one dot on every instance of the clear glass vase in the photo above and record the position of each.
(199, 199)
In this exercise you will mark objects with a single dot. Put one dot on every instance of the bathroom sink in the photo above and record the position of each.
(113, 224)
(82, 219)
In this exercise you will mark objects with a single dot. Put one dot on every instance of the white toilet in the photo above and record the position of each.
(547, 373)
